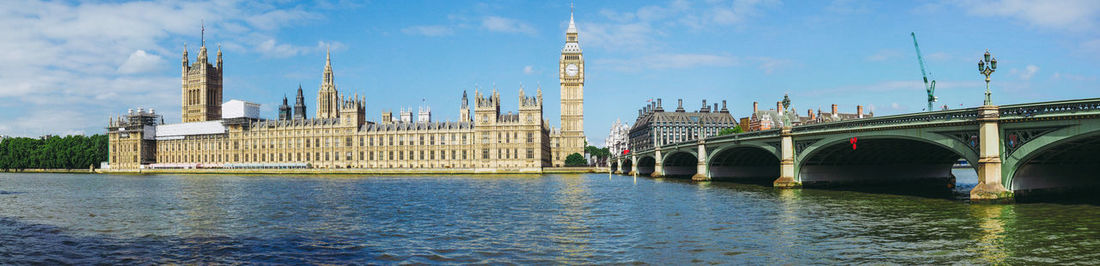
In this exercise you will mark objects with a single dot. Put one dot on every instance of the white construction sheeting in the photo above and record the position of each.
(178, 131)
(238, 109)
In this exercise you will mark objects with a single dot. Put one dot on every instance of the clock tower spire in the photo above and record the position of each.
(571, 74)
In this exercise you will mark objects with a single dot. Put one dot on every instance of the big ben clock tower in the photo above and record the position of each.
(571, 75)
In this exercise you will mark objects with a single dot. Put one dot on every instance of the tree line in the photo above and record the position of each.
(69, 152)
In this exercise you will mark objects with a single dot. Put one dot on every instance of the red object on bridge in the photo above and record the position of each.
(625, 152)
(853, 142)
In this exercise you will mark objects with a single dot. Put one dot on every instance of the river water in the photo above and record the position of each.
(583, 219)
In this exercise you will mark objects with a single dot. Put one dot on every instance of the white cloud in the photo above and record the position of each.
(529, 70)
(769, 64)
(274, 49)
(1073, 77)
(275, 19)
(641, 29)
(1072, 15)
(630, 37)
(883, 55)
(70, 65)
(1091, 46)
(140, 61)
(1026, 74)
(429, 30)
(738, 11)
(507, 25)
(669, 61)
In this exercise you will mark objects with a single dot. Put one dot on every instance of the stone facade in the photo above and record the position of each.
(482, 140)
(617, 140)
(657, 127)
(570, 138)
(131, 139)
(774, 118)
(202, 87)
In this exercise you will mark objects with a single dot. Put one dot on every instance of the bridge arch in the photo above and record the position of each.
(744, 163)
(897, 157)
(646, 165)
(1062, 159)
(627, 166)
(613, 166)
(680, 164)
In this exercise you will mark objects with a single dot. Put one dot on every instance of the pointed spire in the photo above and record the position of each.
(572, 26)
(203, 34)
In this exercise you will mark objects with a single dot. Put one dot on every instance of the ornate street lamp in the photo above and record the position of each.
(982, 69)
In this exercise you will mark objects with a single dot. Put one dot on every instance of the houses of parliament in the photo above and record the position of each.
(232, 135)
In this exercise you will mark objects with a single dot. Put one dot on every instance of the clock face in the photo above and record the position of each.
(571, 70)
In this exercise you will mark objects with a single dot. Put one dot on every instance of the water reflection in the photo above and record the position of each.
(579, 219)
(573, 234)
(990, 234)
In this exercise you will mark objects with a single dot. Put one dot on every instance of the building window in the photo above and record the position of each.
(484, 153)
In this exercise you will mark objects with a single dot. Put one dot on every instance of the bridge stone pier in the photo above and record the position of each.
(1015, 150)
(658, 169)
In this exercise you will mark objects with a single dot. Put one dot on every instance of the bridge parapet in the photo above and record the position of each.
(969, 114)
(1048, 108)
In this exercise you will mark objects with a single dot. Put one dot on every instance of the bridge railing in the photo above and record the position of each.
(940, 116)
(1006, 111)
(1055, 107)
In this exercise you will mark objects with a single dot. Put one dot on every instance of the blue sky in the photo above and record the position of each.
(68, 66)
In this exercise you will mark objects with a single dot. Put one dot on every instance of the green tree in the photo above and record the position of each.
(70, 152)
(734, 130)
(575, 159)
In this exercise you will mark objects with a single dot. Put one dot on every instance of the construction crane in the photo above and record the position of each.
(929, 87)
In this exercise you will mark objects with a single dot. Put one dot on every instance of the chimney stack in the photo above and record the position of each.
(659, 103)
(834, 109)
(755, 106)
(715, 107)
(724, 110)
(859, 111)
(680, 105)
(704, 109)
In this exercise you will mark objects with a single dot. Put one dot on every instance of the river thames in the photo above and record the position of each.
(583, 219)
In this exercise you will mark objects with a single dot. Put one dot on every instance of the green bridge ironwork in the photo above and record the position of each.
(1014, 148)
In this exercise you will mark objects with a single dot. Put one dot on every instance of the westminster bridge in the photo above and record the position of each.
(1014, 148)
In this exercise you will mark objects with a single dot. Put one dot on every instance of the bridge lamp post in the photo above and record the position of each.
(982, 69)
